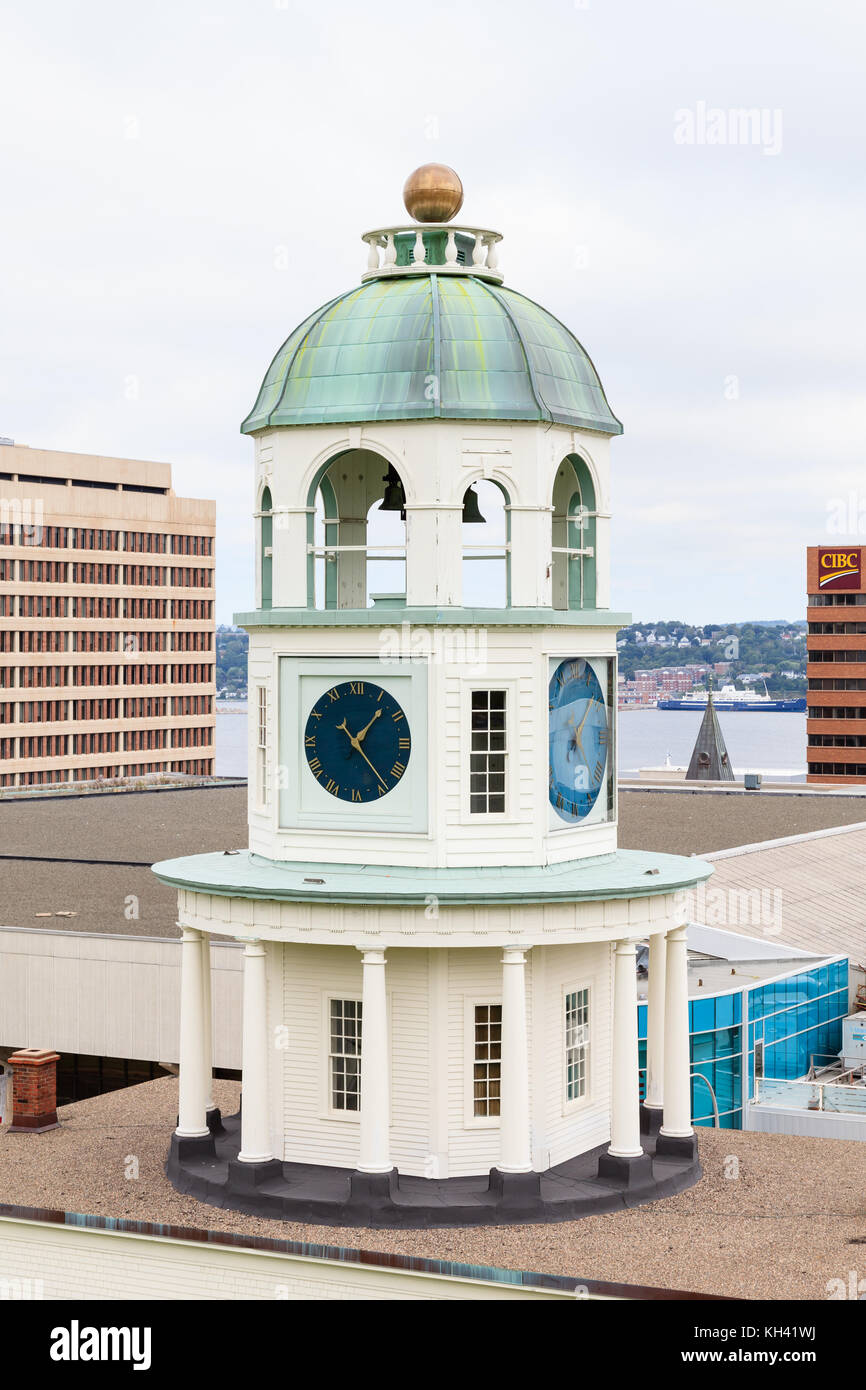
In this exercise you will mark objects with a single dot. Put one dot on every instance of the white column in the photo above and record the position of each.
(514, 1134)
(677, 1103)
(375, 1151)
(655, 1040)
(192, 1099)
(254, 1110)
(207, 1021)
(624, 1108)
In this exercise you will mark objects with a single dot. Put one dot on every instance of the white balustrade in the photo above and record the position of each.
(426, 251)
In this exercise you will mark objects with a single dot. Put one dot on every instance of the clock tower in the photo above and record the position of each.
(439, 930)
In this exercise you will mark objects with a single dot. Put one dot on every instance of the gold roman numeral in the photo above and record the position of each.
(332, 787)
(314, 714)
(316, 767)
(333, 694)
(356, 795)
(310, 741)
(397, 770)
(397, 716)
(404, 743)
(356, 687)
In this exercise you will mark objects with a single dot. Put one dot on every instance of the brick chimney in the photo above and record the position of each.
(34, 1090)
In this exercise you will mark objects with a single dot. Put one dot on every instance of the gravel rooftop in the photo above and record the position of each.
(139, 828)
(793, 1219)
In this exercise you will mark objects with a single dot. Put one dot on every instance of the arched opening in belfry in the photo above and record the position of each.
(356, 549)
(266, 548)
(486, 542)
(573, 569)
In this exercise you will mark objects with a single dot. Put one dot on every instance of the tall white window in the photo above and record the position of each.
(487, 1060)
(262, 745)
(576, 1044)
(345, 1054)
(487, 753)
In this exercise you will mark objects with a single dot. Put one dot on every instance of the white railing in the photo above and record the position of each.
(382, 251)
(835, 1096)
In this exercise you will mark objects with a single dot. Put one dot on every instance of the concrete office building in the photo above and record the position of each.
(106, 620)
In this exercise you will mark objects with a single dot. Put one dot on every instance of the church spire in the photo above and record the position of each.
(710, 761)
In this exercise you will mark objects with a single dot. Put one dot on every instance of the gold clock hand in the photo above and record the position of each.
(358, 749)
(356, 744)
(363, 732)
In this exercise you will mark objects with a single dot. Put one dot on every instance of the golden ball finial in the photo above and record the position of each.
(433, 193)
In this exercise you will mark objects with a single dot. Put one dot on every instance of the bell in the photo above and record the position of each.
(471, 510)
(394, 499)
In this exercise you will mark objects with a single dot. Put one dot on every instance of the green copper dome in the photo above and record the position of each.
(381, 351)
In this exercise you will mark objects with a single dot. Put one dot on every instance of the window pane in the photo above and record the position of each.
(488, 751)
(345, 1047)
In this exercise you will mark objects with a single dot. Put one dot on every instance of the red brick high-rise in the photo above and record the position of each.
(836, 663)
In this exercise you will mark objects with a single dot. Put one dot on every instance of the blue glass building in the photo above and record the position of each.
(788, 1020)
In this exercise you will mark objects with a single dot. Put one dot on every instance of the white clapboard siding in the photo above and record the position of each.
(310, 976)
(473, 976)
(574, 1129)
(410, 1060)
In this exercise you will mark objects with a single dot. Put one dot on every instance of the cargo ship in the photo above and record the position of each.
(729, 698)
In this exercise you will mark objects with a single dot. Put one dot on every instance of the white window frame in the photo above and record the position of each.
(330, 1110)
(470, 1119)
(577, 1102)
(468, 684)
(262, 719)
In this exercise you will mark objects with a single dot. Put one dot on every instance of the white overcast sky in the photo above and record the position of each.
(181, 183)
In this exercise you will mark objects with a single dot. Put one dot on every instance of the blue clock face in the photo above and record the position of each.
(579, 739)
(357, 741)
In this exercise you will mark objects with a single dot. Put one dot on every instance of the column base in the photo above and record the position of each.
(248, 1177)
(215, 1121)
(187, 1146)
(629, 1171)
(374, 1189)
(651, 1117)
(679, 1146)
(515, 1189)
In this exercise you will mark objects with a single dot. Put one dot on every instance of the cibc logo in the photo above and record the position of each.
(839, 569)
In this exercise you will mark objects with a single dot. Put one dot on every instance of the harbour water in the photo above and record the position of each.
(773, 744)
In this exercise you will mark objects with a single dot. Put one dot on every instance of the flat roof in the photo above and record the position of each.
(761, 1237)
(112, 839)
(108, 842)
(680, 820)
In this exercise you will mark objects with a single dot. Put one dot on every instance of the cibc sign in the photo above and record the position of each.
(839, 569)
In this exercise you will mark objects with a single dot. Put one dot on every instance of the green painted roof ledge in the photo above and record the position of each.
(436, 617)
(371, 354)
(623, 874)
